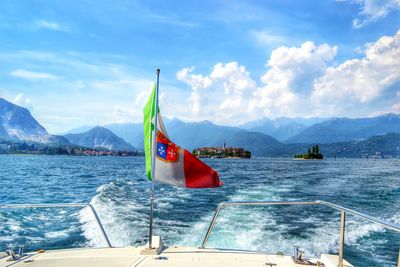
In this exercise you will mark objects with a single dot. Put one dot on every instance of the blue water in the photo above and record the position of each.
(119, 192)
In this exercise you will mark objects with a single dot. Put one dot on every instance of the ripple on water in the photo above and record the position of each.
(118, 190)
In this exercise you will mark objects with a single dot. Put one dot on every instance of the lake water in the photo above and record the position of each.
(117, 188)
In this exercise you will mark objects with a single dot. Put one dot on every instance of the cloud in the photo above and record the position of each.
(289, 80)
(170, 19)
(30, 75)
(225, 92)
(362, 81)
(373, 10)
(396, 108)
(98, 87)
(358, 50)
(300, 81)
(23, 101)
(119, 114)
(49, 25)
(265, 38)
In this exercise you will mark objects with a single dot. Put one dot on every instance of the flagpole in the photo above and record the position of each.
(153, 161)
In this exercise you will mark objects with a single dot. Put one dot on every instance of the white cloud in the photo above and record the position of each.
(23, 101)
(195, 81)
(289, 80)
(94, 89)
(361, 81)
(358, 50)
(396, 108)
(300, 81)
(50, 25)
(31, 75)
(372, 10)
(265, 38)
(221, 95)
(120, 114)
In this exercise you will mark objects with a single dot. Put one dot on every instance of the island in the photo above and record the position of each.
(221, 152)
(311, 154)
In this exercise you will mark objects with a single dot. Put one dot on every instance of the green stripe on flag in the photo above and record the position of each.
(148, 126)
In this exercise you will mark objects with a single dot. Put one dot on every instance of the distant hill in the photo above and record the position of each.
(191, 135)
(130, 132)
(259, 144)
(199, 134)
(99, 137)
(17, 123)
(387, 145)
(80, 129)
(280, 128)
(343, 129)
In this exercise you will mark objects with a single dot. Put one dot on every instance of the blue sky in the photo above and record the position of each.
(75, 63)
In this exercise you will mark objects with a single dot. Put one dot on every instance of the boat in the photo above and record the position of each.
(160, 255)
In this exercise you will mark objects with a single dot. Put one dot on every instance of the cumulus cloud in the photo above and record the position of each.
(227, 89)
(362, 80)
(289, 80)
(301, 81)
(31, 75)
(372, 10)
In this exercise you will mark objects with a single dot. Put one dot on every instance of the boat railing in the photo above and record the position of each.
(62, 205)
(343, 212)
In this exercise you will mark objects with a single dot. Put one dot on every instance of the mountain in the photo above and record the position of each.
(343, 129)
(80, 129)
(17, 123)
(280, 128)
(99, 137)
(130, 132)
(191, 135)
(259, 144)
(387, 145)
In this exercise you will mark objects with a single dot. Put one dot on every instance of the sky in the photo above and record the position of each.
(81, 62)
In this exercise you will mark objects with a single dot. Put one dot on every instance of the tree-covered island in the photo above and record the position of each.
(311, 154)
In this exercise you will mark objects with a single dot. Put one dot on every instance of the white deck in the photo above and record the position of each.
(174, 256)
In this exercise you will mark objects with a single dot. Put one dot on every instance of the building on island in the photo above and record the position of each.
(221, 152)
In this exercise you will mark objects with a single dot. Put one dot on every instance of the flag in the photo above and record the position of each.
(173, 165)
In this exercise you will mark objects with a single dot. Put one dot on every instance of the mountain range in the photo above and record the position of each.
(280, 128)
(337, 136)
(18, 124)
(99, 137)
(205, 133)
(343, 129)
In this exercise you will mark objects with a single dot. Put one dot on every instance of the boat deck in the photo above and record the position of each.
(173, 256)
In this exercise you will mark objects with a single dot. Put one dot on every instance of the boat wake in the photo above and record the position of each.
(271, 229)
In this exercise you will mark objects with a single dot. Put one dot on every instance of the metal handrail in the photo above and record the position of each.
(61, 205)
(343, 211)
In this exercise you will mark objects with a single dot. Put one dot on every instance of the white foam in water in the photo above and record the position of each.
(116, 219)
(240, 228)
(126, 222)
(56, 234)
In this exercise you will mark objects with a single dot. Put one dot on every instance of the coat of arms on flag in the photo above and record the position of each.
(166, 150)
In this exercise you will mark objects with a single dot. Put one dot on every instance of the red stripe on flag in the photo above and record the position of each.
(198, 174)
